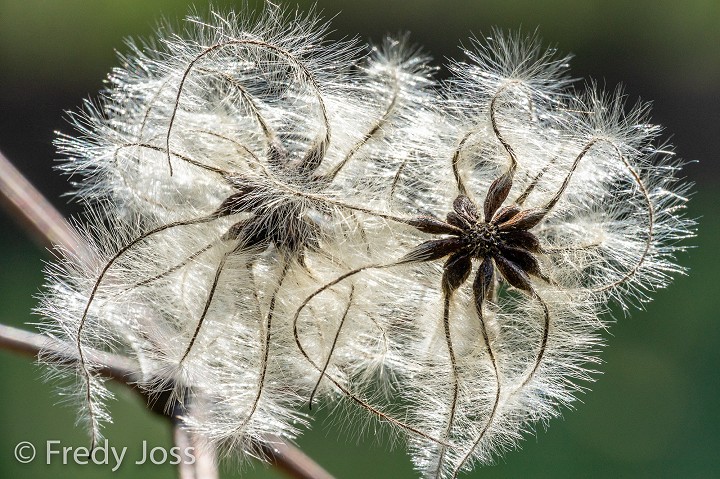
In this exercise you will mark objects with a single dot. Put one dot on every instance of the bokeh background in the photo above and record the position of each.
(655, 410)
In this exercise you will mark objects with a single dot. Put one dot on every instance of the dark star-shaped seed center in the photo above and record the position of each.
(500, 239)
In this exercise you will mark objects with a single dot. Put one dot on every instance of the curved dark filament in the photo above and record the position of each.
(255, 163)
(530, 187)
(396, 179)
(447, 296)
(340, 204)
(337, 280)
(538, 360)
(360, 402)
(553, 201)
(456, 160)
(491, 354)
(365, 405)
(238, 146)
(350, 230)
(299, 66)
(496, 130)
(206, 308)
(184, 158)
(570, 250)
(156, 148)
(289, 189)
(651, 225)
(493, 121)
(143, 123)
(172, 269)
(383, 333)
(266, 344)
(643, 189)
(251, 274)
(374, 130)
(411, 221)
(363, 236)
(270, 136)
(543, 339)
(332, 347)
(84, 369)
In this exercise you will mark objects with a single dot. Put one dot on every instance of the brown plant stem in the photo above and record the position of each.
(26, 205)
(28, 343)
(205, 465)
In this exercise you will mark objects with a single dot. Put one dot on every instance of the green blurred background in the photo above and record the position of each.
(655, 410)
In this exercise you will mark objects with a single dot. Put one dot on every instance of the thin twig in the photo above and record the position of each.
(292, 460)
(48, 228)
(205, 464)
(28, 343)
(183, 440)
(26, 205)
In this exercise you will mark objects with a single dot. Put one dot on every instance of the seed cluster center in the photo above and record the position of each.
(483, 239)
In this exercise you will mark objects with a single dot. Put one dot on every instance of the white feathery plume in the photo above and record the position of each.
(552, 212)
(221, 146)
(560, 201)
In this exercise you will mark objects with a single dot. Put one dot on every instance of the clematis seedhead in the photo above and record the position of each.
(276, 221)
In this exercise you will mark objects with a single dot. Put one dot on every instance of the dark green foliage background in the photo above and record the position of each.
(653, 412)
